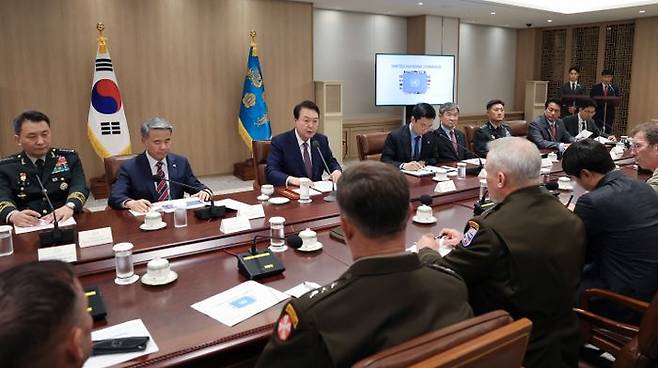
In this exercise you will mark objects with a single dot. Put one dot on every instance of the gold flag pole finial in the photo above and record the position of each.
(252, 44)
(102, 40)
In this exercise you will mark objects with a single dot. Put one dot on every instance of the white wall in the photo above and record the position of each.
(344, 47)
(487, 60)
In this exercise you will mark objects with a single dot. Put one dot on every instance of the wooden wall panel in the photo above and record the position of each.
(643, 96)
(527, 63)
(184, 60)
(416, 34)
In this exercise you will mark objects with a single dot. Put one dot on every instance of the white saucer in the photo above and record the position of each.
(312, 248)
(452, 173)
(151, 228)
(279, 200)
(146, 279)
(263, 197)
(430, 220)
(435, 179)
(127, 281)
(565, 187)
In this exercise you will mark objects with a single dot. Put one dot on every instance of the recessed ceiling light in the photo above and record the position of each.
(549, 20)
(493, 13)
(573, 7)
(642, 11)
(420, 3)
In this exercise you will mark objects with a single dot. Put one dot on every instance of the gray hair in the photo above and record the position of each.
(517, 157)
(448, 106)
(155, 123)
(650, 130)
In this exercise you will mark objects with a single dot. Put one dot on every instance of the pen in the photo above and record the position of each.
(569, 201)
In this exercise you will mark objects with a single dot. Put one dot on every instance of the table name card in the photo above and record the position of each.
(252, 212)
(94, 237)
(445, 186)
(234, 224)
(65, 253)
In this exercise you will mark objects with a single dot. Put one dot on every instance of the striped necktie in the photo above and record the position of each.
(162, 188)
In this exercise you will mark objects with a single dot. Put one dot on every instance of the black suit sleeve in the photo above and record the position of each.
(191, 180)
(390, 153)
(120, 189)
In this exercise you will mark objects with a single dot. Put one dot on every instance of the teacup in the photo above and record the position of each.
(552, 156)
(424, 213)
(309, 238)
(158, 270)
(564, 182)
(441, 174)
(152, 219)
(267, 189)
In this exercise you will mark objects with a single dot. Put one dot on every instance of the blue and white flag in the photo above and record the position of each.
(253, 122)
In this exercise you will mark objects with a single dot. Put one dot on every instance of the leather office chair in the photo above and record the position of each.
(469, 133)
(490, 340)
(519, 128)
(112, 166)
(632, 346)
(371, 145)
(260, 150)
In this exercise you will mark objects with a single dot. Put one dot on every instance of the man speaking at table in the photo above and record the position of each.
(135, 188)
(385, 298)
(512, 259)
(302, 151)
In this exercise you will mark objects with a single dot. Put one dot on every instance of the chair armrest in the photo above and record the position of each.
(612, 325)
(629, 302)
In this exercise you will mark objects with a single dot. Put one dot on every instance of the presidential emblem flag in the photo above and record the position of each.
(253, 122)
(107, 127)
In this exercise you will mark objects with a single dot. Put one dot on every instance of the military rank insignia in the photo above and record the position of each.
(473, 228)
(61, 165)
(287, 323)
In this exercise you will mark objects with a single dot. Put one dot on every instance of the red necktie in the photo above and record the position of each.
(605, 90)
(454, 141)
(553, 130)
(162, 189)
(307, 161)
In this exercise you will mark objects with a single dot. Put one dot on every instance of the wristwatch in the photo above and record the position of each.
(70, 205)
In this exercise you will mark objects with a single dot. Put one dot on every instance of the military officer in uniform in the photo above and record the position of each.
(21, 199)
(524, 255)
(385, 298)
(493, 128)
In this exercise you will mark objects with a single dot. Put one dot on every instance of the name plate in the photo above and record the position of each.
(94, 237)
(252, 212)
(445, 186)
(64, 253)
(234, 224)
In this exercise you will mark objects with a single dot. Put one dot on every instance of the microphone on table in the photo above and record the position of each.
(331, 197)
(482, 204)
(208, 212)
(256, 264)
(426, 199)
(552, 187)
(56, 236)
(470, 170)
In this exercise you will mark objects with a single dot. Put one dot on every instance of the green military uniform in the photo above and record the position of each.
(487, 133)
(525, 256)
(62, 176)
(377, 303)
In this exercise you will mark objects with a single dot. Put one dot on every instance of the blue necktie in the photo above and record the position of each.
(416, 154)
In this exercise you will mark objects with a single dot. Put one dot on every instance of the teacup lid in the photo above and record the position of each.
(564, 178)
(153, 214)
(122, 247)
(157, 264)
(308, 233)
(424, 208)
(277, 220)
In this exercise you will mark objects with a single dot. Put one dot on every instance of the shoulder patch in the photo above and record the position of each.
(9, 159)
(284, 327)
(63, 150)
(473, 228)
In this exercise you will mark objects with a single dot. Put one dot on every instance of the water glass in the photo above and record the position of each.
(277, 242)
(461, 170)
(123, 256)
(180, 216)
(304, 190)
(6, 242)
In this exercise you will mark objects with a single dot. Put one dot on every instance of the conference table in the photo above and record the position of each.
(206, 263)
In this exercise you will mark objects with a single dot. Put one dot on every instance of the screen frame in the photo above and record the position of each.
(454, 74)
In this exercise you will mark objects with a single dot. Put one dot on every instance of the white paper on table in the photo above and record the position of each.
(603, 140)
(94, 237)
(475, 161)
(302, 288)
(240, 302)
(449, 168)
(311, 191)
(421, 172)
(170, 206)
(584, 134)
(445, 186)
(443, 250)
(42, 225)
(64, 253)
(132, 328)
(231, 204)
(252, 212)
(324, 186)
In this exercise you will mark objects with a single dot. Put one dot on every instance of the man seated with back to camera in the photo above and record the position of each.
(547, 130)
(385, 298)
(524, 255)
(621, 219)
(412, 146)
(451, 141)
(43, 317)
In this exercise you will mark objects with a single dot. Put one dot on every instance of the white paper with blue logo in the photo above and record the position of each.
(240, 302)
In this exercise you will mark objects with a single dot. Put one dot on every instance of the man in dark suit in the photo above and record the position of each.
(583, 121)
(605, 88)
(386, 297)
(135, 188)
(524, 255)
(494, 128)
(22, 202)
(413, 146)
(294, 154)
(451, 141)
(571, 88)
(621, 219)
(547, 130)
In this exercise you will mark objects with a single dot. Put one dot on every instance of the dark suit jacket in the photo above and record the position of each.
(571, 125)
(447, 151)
(621, 220)
(397, 147)
(539, 133)
(565, 90)
(135, 180)
(597, 90)
(285, 158)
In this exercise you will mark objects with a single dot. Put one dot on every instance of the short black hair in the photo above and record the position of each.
(607, 72)
(587, 154)
(31, 115)
(552, 100)
(308, 104)
(374, 196)
(585, 103)
(423, 110)
(37, 304)
(495, 102)
(574, 68)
